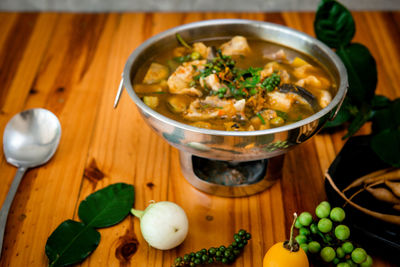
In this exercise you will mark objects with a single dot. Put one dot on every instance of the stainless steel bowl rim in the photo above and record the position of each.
(342, 87)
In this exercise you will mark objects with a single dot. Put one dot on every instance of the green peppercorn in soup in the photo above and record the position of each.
(234, 85)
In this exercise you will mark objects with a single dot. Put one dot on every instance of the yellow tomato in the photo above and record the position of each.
(278, 256)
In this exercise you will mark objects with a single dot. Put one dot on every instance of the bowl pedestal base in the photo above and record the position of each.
(231, 178)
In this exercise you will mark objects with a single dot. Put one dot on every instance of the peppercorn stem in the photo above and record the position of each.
(292, 240)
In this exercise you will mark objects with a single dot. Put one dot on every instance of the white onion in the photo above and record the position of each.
(164, 225)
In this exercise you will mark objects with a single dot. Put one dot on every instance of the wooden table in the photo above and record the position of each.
(71, 64)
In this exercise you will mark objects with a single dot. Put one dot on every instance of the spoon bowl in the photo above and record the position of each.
(30, 139)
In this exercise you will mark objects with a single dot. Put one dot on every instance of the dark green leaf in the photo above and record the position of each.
(386, 145)
(70, 243)
(382, 120)
(362, 73)
(334, 24)
(359, 120)
(380, 101)
(387, 118)
(395, 108)
(107, 206)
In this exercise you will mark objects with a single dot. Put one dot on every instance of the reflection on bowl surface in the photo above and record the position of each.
(215, 106)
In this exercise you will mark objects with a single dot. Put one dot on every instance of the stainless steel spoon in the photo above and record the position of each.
(30, 139)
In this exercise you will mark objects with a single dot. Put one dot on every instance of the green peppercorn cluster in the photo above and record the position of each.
(222, 254)
(271, 82)
(328, 238)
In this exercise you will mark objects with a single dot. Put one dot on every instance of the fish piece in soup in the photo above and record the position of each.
(279, 55)
(211, 81)
(235, 47)
(284, 101)
(324, 98)
(202, 49)
(213, 107)
(180, 81)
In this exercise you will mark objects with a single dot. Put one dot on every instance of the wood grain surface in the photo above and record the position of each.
(71, 64)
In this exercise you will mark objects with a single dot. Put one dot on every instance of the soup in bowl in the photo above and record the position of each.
(235, 90)
(234, 85)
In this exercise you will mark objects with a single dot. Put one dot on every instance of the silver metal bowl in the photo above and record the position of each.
(228, 145)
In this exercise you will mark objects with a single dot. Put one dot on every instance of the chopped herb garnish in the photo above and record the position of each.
(183, 42)
(261, 118)
(253, 91)
(182, 59)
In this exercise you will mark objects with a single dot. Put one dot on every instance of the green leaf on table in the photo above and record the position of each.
(70, 243)
(386, 118)
(386, 145)
(334, 24)
(379, 102)
(363, 115)
(107, 206)
(362, 73)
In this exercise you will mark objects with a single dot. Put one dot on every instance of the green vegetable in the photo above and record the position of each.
(195, 55)
(343, 264)
(314, 228)
(304, 246)
(351, 263)
(297, 224)
(337, 214)
(325, 225)
(277, 121)
(340, 253)
(335, 261)
(386, 131)
(151, 101)
(314, 247)
(305, 218)
(347, 247)
(359, 255)
(327, 237)
(262, 120)
(271, 82)
(73, 241)
(342, 232)
(323, 210)
(304, 231)
(328, 254)
(182, 59)
(334, 25)
(183, 42)
(70, 243)
(301, 239)
(225, 255)
(367, 263)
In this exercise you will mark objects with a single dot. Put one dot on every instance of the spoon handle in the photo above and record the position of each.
(7, 203)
